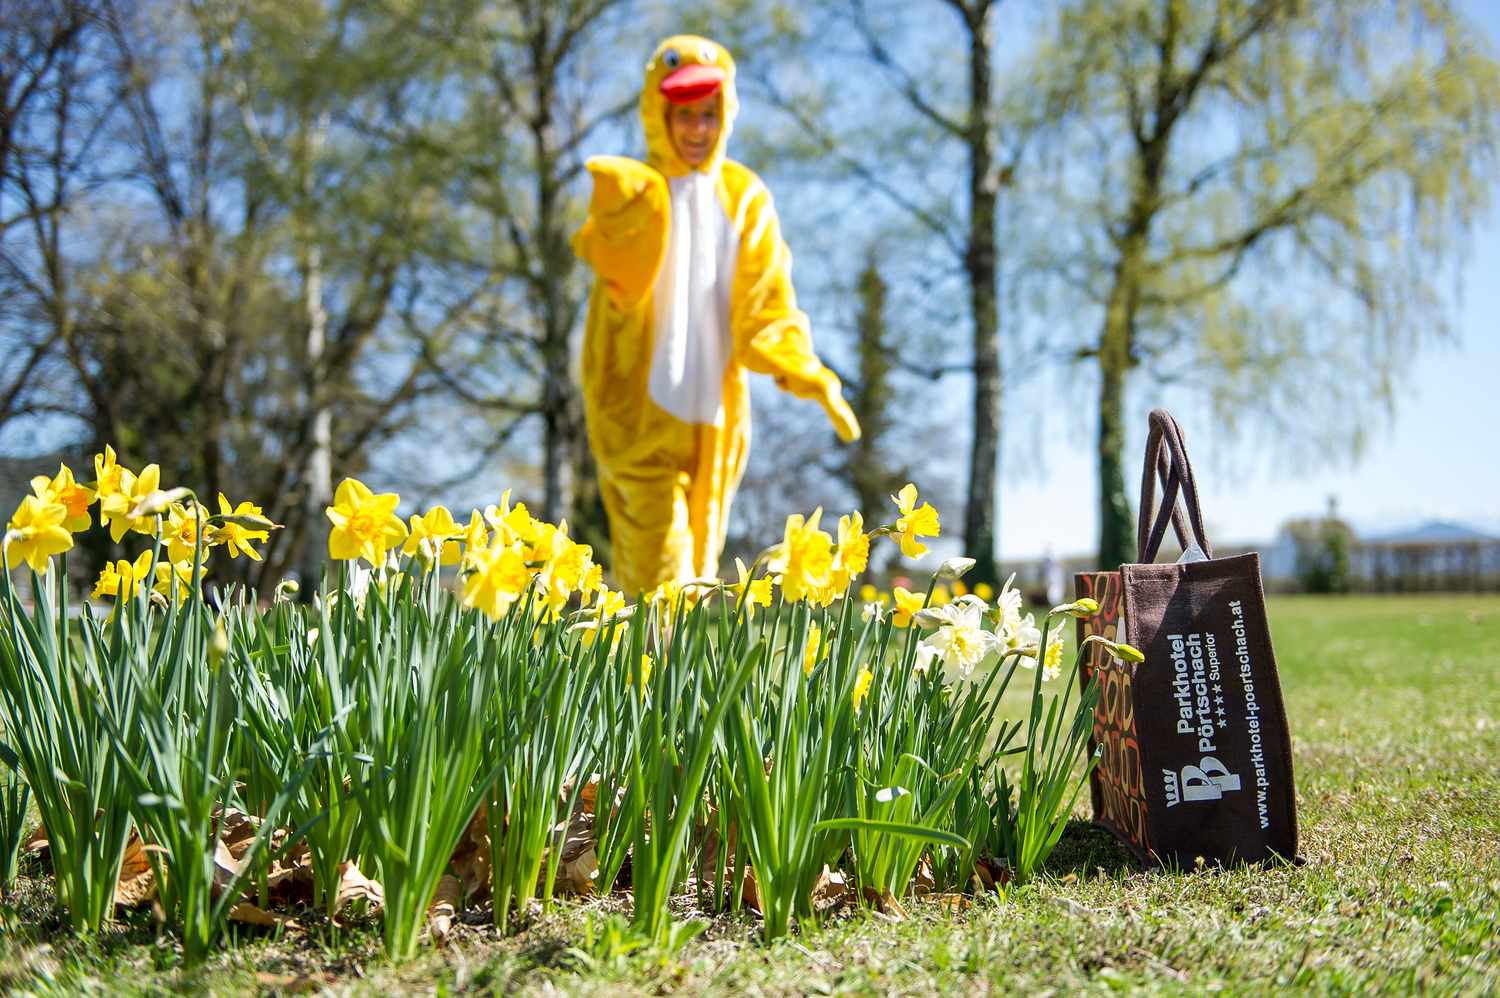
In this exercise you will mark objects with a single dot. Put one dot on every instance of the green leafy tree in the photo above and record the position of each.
(1258, 198)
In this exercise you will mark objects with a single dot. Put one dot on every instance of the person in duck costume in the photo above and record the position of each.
(693, 292)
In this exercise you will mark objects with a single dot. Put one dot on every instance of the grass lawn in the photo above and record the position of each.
(1394, 705)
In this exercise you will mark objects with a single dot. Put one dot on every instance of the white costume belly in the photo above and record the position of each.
(692, 343)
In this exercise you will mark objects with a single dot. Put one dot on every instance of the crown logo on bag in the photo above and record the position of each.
(1209, 780)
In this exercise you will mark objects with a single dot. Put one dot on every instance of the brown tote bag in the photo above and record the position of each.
(1196, 758)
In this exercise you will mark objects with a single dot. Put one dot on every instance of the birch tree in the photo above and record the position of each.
(1259, 200)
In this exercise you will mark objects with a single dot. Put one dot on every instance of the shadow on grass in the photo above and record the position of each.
(1085, 847)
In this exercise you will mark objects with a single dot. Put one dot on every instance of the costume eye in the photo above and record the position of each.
(671, 59)
(708, 53)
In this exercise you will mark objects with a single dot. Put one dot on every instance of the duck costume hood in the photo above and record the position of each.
(693, 292)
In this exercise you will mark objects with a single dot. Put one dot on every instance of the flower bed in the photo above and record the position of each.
(764, 738)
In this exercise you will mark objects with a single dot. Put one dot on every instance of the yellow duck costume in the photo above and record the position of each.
(693, 292)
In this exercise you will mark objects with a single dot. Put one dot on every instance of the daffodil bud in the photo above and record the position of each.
(954, 568)
(156, 503)
(250, 521)
(218, 647)
(930, 618)
(286, 589)
(1081, 608)
(1118, 650)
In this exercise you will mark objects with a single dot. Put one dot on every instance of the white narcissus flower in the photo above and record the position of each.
(1007, 615)
(872, 610)
(959, 640)
(1025, 634)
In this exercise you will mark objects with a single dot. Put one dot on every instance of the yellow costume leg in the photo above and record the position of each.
(718, 464)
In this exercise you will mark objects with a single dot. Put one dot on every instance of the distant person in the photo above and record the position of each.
(693, 292)
(1057, 589)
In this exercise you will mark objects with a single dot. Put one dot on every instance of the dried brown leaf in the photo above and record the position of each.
(954, 903)
(444, 904)
(923, 882)
(829, 888)
(256, 915)
(136, 884)
(355, 886)
(471, 857)
(297, 984)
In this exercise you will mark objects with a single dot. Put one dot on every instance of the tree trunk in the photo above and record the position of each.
(1116, 531)
(979, 513)
(317, 475)
(550, 271)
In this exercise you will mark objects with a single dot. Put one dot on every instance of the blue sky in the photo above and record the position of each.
(1438, 459)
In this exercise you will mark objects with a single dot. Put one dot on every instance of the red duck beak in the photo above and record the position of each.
(693, 82)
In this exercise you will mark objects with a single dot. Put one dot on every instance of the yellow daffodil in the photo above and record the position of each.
(570, 568)
(182, 571)
(182, 531)
(824, 595)
(916, 521)
(605, 607)
(868, 592)
(805, 558)
(562, 566)
(959, 589)
(500, 576)
(862, 687)
(116, 507)
(984, 591)
(814, 650)
(514, 524)
(36, 533)
(237, 537)
(852, 553)
(107, 473)
(907, 603)
(647, 665)
(438, 532)
(120, 573)
(665, 600)
(940, 596)
(476, 535)
(750, 592)
(593, 580)
(110, 577)
(67, 493)
(364, 524)
(608, 604)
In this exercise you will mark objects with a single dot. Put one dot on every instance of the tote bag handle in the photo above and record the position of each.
(1166, 458)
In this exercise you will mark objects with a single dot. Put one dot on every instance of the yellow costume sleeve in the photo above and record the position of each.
(771, 335)
(626, 232)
